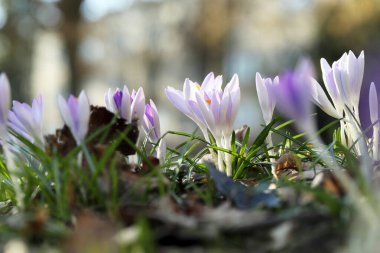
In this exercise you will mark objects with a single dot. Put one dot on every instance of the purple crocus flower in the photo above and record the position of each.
(293, 94)
(151, 126)
(151, 122)
(127, 106)
(5, 101)
(75, 113)
(266, 100)
(28, 120)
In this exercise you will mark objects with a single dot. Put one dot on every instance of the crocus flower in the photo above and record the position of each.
(212, 109)
(75, 113)
(343, 80)
(27, 120)
(219, 108)
(151, 126)
(266, 98)
(374, 115)
(127, 106)
(13, 169)
(267, 103)
(151, 122)
(5, 101)
(293, 94)
(185, 100)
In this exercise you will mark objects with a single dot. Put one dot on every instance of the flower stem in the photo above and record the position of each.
(14, 175)
(220, 155)
(227, 157)
(375, 143)
(271, 154)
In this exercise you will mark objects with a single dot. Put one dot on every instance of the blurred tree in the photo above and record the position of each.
(211, 32)
(71, 35)
(17, 44)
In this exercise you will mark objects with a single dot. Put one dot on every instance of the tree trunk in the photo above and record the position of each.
(70, 32)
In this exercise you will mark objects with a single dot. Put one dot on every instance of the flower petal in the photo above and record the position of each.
(207, 114)
(65, 111)
(320, 99)
(373, 104)
(125, 109)
(138, 105)
(265, 101)
(177, 99)
(84, 117)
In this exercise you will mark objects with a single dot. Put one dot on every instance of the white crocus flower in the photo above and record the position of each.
(185, 100)
(343, 82)
(267, 100)
(212, 109)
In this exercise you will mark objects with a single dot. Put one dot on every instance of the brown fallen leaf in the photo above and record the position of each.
(63, 141)
(288, 163)
(328, 181)
(92, 233)
(101, 117)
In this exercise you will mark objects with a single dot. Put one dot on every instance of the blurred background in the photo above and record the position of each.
(62, 46)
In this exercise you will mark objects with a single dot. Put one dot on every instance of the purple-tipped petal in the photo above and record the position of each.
(75, 113)
(129, 106)
(151, 122)
(293, 94)
(117, 98)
